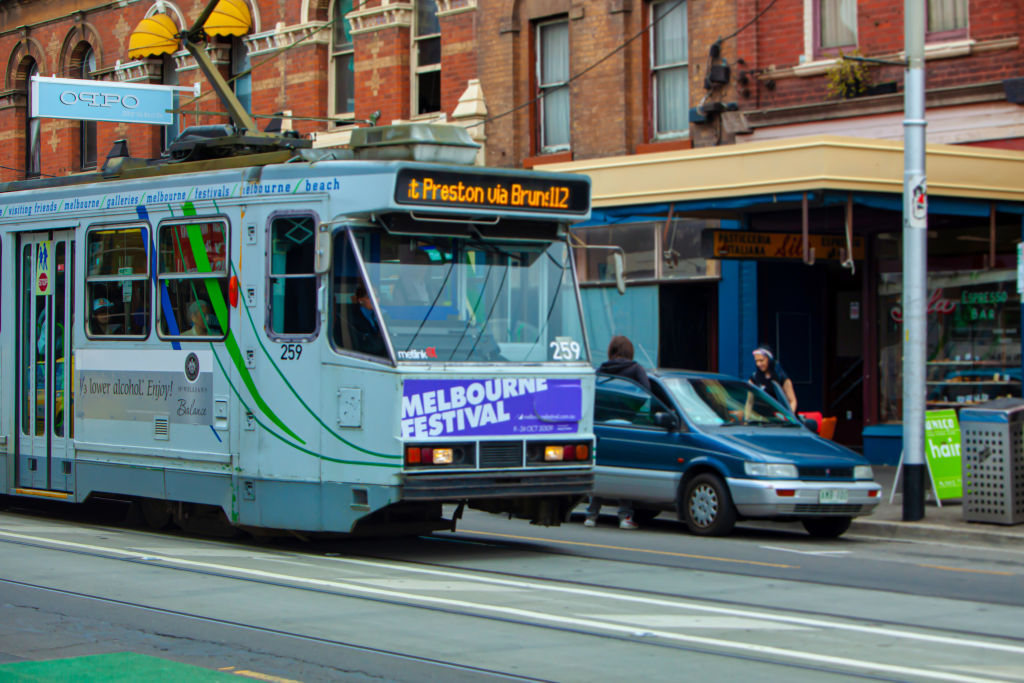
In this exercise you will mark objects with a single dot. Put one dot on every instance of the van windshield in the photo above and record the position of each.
(726, 402)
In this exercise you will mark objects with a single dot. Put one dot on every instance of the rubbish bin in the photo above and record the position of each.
(992, 453)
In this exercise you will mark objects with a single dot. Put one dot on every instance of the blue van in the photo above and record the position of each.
(715, 449)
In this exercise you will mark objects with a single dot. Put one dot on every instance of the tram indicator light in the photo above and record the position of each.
(554, 453)
(471, 190)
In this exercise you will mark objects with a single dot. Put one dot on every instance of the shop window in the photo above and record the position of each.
(293, 308)
(426, 56)
(836, 24)
(552, 85)
(974, 342)
(343, 85)
(193, 280)
(947, 19)
(117, 282)
(669, 71)
(87, 129)
(654, 250)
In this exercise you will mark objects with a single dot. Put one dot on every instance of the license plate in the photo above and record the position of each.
(833, 496)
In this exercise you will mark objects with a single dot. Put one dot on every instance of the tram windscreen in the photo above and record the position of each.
(455, 299)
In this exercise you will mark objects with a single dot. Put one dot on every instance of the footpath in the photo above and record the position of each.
(944, 523)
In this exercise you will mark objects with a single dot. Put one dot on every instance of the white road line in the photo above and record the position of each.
(824, 553)
(568, 621)
(683, 604)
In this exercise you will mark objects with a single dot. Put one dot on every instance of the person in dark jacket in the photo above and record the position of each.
(620, 362)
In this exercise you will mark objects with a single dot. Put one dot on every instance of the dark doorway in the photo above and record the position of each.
(688, 320)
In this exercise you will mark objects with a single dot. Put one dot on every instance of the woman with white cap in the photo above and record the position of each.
(768, 371)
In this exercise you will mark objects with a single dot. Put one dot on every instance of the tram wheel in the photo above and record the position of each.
(157, 513)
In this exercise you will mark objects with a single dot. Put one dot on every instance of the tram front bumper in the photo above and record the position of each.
(456, 486)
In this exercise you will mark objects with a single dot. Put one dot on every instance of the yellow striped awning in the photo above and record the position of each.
(154, 36)
(229, 18)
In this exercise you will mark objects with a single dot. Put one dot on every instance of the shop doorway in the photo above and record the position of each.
(688, 324)
(812, 316)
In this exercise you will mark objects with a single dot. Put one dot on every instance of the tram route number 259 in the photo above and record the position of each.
(565, 348)
(291, 351)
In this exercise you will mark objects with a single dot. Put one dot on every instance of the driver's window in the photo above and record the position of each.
(624, 402)
(356, 323)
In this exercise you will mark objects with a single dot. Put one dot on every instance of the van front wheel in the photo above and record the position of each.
(707, 506)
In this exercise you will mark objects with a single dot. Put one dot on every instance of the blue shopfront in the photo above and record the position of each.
(797, 244)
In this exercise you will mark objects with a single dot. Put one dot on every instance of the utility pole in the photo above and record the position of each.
(915, 262)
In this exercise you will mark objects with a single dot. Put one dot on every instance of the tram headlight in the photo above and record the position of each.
(557, 453)
(458, 455)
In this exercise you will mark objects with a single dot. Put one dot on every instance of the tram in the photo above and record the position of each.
(308, 340)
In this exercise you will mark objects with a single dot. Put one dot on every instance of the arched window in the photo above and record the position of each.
(170, 77)
(87, 129)
(33, 165)
(343, 87)
(242, 77)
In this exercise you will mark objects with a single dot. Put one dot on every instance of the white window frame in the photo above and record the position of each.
(656, 68)
(542, 88)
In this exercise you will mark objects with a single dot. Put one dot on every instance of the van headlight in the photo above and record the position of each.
(863, 472)
(770, 470)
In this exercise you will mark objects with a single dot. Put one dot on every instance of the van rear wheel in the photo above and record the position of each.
(707, 506)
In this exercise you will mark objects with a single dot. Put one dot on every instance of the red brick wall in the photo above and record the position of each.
(777, 40)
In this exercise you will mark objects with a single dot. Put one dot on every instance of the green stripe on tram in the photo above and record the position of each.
(119, 667)
(313, 413)
(220, 309)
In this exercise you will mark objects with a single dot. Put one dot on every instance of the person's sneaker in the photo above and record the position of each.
(628, 524)
(590, 521)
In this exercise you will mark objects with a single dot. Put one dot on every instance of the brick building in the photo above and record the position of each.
(322, 62)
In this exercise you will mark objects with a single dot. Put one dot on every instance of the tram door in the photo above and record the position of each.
(45, 397)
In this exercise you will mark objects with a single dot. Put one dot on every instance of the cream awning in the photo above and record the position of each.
(154, 36)
(229, 18)
(794, 165)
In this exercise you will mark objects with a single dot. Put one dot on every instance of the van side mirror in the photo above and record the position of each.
(811, 424)
(666, 421)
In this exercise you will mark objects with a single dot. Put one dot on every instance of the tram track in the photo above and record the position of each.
(297, 583)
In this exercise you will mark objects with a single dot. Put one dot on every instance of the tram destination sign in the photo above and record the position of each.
(745, 244)
(427, 187)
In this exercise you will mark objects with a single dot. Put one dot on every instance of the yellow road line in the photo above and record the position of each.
(635, 550)
(971, 571)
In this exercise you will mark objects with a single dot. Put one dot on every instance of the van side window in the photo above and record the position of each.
(624, 402)
(292, 276)
(193, 279)
(117, 282)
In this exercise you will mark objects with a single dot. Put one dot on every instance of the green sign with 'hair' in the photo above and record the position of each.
(942, 450)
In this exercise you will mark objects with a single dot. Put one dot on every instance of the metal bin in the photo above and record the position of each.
(992, 456)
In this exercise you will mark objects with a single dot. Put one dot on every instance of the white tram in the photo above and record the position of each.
(305, 340)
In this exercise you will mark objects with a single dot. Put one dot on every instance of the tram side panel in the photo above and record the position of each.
(278, 477)
(152, 410)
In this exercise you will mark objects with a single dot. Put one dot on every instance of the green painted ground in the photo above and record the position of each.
(113, 668)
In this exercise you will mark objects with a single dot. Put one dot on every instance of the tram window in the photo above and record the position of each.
(292, 276)
(117, 282)
(356, 324)
(193, 279)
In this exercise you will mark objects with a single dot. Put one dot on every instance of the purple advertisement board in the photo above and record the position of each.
(493, 407)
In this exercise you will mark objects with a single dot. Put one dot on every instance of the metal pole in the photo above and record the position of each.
(915, 263)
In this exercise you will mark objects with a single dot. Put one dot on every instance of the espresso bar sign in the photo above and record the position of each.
(743, 244)
(485, 191)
